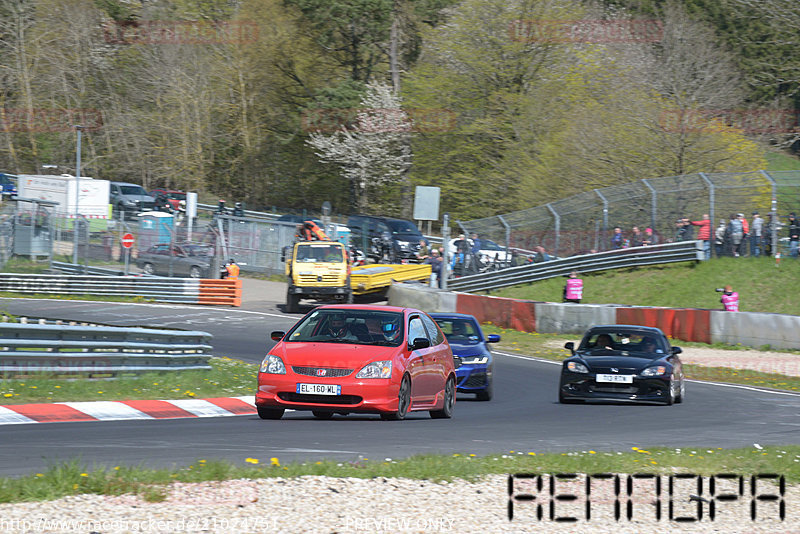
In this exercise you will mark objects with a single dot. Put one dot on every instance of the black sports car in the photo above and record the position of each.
(622, 363)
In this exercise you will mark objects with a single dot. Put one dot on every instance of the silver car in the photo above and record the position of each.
(188, 260)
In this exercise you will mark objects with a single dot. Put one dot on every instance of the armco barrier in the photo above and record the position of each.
(556, 318)
(99, 350)
(158, 289)
(756, 329)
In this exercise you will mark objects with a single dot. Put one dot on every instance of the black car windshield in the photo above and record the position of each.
(352, 326)
(402, 227)
(459, 331)
(132, 190)
(627, 341)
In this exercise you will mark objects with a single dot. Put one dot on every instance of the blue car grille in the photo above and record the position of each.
(474, 380)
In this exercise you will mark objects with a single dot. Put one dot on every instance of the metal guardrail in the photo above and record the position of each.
(99, 350)
(614, 259)
(71, 268)
(172, 290)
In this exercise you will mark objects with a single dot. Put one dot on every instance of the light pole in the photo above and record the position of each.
(79, 128)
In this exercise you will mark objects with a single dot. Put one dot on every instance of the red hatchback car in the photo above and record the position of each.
(359, 359)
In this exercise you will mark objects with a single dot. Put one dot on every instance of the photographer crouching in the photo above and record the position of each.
(730, 298)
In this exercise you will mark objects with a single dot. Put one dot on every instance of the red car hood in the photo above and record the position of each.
(341, 355)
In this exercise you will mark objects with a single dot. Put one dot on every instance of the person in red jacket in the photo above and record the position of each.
(704, 234)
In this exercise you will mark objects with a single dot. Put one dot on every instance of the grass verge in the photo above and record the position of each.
(227, 378)
(72, 478)
(550, 346)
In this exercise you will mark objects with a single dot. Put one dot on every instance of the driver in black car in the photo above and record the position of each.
(604, 341)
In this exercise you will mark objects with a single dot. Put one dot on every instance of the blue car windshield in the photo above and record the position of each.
(460, 331)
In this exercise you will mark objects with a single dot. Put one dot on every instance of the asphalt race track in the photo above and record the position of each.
(524, 415)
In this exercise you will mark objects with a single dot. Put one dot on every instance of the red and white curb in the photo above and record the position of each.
(63, 412)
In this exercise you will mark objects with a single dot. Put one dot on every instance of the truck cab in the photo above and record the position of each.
(318, 270)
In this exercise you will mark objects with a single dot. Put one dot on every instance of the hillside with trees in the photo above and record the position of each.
(293, 102)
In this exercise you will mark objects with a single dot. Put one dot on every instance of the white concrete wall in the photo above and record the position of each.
(756, 329)
(422, 297)
(572, 318)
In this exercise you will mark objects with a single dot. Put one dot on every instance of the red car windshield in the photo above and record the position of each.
(358, 327)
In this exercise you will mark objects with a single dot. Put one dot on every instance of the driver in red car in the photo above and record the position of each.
(391, 330)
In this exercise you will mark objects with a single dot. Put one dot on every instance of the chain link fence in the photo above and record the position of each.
(585, 222)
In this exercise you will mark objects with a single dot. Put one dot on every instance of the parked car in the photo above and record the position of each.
(129, 198)
(468, 342)
(387, 239)
(622, 363)
(490, 252)
(189, 260)
(8, 186)
(342, 359)
(173, 197)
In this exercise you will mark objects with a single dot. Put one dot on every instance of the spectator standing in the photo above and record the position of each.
(736, 233)
(637, 239)
(462, 247)
(756, 235)
(745, 233)
(238, 211)
(704, 234)
(573, 289)
(423, 252)
(719, 238)
(650, 237)
(683, 230)
(542, 255)
(617, 241)
(476, 244)
(436, 261)
(794, 234)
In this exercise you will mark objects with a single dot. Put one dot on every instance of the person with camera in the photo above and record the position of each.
(730, 298)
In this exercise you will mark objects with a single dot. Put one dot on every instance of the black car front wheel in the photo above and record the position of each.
(671, 395)
(681, 393)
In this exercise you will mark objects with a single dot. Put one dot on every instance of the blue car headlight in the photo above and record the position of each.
(480, 359)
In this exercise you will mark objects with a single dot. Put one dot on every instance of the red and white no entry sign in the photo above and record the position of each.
(127, 240)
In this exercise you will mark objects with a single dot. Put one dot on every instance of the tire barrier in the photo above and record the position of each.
(158, 289)
(684, 324)
(220, 292)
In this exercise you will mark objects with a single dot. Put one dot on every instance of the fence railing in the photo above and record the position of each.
(99, 350)
(601, 261)
(158, 289)
(585, 221)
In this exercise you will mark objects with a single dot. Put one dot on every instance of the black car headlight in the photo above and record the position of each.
(577, 367)
(655, 371)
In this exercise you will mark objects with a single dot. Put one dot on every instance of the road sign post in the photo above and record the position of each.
(127, 243)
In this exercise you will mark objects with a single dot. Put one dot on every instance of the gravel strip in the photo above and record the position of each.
(313, 504)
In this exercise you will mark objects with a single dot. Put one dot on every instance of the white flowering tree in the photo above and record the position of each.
(373, 149)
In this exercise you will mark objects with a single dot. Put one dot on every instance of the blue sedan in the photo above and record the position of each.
(469, 343)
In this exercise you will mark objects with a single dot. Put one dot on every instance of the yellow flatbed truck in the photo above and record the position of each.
(317, 270)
